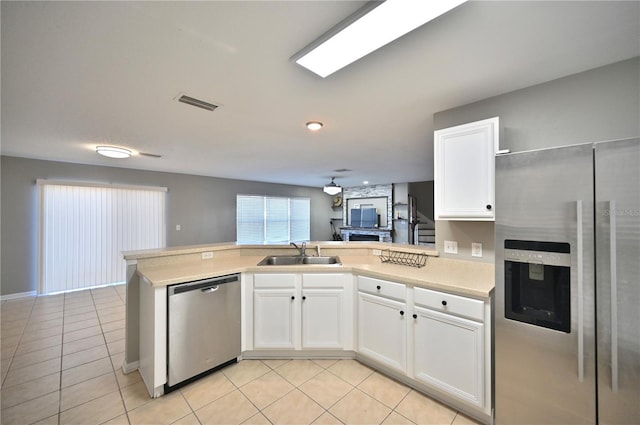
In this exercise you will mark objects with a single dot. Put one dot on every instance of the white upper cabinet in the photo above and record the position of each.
(464, 171)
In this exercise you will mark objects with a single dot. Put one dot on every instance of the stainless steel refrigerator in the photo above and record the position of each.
(567, 296)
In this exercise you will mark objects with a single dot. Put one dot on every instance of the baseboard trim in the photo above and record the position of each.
(18, 295)
(130, 367)
(298, 354)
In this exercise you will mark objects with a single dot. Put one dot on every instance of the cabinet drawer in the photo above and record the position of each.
(449, 303)
(382, 288)
(275, 280)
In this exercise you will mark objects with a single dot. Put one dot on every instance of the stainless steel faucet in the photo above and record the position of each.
(302, 249)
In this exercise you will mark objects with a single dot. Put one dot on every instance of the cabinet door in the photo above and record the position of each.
(464, 171)
(449, 354)
(382, 330)
(322, 322)
(274, 318)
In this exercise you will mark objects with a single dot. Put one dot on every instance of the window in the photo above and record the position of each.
(270, 219)
(84, 229)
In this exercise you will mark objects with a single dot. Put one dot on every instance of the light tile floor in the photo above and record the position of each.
(61, 358)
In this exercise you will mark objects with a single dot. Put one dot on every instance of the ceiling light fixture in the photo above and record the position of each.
(332, 188)
(368, 29)
(314, 125)
(113, 152)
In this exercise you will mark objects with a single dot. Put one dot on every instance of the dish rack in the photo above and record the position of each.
(403, 258)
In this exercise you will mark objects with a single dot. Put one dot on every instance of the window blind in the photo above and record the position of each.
(270, 219)
(84, 229)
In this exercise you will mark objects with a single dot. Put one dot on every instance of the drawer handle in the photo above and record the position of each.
(304, 297)
(444, 303)
(489, 207)
(378, 287)
(415, 316)
(401, 313)
(292, 297)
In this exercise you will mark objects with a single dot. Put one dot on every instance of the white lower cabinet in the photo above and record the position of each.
(274, 318)
(382, 330)
(437, 341)
(448, 353)
(293, 311)
(275, 311)
(322, 317)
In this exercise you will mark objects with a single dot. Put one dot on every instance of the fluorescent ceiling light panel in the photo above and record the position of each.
(388, 21)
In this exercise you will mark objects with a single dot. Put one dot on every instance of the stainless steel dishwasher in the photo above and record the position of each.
(203, 328)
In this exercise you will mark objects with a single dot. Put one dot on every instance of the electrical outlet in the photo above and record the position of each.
(451, 247)
(377, 252)
(178, 227)
(207, 255)
(476, 249)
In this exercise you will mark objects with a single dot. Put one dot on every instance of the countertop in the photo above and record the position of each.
(467, 278)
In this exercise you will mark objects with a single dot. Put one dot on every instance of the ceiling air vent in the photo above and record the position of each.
(196, 102)
(151, 155)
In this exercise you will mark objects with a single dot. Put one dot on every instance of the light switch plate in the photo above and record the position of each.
(451, 247)
(476, 249)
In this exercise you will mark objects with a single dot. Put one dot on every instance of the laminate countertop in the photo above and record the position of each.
(467, 278)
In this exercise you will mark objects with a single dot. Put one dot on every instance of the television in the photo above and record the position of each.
(364, 217)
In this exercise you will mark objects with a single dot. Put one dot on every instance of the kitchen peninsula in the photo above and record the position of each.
(391, 317)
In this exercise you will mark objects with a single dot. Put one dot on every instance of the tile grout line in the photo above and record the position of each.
(115, 377)
(33, 303)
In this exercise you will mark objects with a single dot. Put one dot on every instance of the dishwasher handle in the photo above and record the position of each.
(205, 285)
(210, 289)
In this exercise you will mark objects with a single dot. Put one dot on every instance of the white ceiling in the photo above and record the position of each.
(79, 74)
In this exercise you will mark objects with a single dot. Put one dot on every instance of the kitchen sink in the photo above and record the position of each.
(294, 260)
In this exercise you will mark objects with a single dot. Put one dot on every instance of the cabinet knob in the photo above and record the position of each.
(444, 303)
(378, 287)
(489, 207)
(292, 297)
(304, 297)
(415, 316)
(401, 313)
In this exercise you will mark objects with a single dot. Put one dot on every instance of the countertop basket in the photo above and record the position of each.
(403, 258)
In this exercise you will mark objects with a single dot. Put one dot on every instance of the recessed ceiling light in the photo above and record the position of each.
(365, 182)
(113, 152)
(314, 125)
(367, 30)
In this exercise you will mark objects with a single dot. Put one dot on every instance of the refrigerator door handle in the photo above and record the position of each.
(580, 291)
(614, 295)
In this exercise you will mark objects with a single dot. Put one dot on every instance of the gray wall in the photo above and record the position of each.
(423, 191)
(600, 104)
(205, 208)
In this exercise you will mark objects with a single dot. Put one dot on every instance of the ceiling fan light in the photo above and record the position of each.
(113, 152)
(332, 188)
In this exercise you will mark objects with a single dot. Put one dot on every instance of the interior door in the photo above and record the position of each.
(618, 280)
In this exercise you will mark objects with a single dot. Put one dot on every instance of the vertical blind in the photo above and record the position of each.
(84, 229)
(269, 219)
